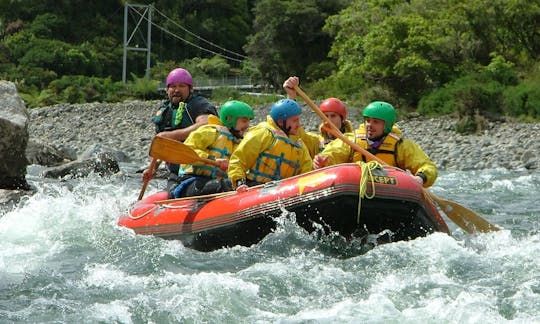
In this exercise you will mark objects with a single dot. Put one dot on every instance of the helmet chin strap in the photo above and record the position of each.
(342, 128)
(282, 126)
(236, 133)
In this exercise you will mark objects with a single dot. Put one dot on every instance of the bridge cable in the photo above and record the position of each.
(191, 43)
(197, 36)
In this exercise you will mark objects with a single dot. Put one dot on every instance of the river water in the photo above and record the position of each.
(64, 260)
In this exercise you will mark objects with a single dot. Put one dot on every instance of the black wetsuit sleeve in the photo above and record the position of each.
(201, 106)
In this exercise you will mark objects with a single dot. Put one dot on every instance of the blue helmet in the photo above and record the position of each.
(284, 109)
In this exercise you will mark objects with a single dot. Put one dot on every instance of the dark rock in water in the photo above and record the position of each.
(531, 160)
(13, 138)
(102, 163)
(95, 149)
(10, 198)
(46, 155)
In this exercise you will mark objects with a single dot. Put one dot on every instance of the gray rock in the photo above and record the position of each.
(46, 155)
(102, 163)
(13, 138)
(10, 198)
(127, 127)
(95, 149)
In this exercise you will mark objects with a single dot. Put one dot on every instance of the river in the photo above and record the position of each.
(64, 260)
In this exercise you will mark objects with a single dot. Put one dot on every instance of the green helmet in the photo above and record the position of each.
(233, 109)
(384, 111)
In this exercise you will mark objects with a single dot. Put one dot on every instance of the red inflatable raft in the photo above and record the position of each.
(326, 199)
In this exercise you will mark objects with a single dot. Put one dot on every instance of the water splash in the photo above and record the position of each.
(64, 259)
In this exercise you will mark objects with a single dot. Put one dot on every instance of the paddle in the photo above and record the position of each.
(145, 182)
(176, 152)
(463, 217)
(172, 151)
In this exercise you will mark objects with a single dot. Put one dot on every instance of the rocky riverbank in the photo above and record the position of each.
(127, 127)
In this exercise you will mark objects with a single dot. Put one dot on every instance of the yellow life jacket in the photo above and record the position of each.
(222, 148)
(281, 160)
(386, 151)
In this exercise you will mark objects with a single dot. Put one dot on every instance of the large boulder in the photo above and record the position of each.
(14, 121)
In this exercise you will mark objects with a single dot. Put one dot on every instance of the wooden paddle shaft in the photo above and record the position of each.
(334, 130)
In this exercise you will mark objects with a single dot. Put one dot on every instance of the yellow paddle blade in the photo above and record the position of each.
(175, 152)
(463, 217)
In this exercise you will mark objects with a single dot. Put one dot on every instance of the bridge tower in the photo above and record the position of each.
(144, 12)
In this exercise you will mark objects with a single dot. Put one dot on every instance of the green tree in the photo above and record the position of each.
(406, 46)
(412, 47)
(288, 37)
(83, 19)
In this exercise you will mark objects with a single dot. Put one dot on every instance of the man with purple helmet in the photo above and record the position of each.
(179, 115)
(184, 111)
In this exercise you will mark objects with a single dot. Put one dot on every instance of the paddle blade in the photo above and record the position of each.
(172, 151)
(175, 152)
(463, 217)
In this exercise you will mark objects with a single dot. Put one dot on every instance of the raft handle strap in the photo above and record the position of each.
(365, 176)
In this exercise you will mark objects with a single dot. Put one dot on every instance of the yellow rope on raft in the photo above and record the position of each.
(366, 175)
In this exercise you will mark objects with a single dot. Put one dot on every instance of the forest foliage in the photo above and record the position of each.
(475, 59)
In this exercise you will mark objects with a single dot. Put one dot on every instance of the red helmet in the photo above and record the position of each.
(334, 105)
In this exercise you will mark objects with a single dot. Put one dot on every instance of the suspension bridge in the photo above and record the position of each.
(142, 15)
(207, 85)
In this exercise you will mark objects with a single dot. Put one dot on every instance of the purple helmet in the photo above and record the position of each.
(179, 75)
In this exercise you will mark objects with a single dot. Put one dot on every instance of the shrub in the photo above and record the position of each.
(500, 70)
(320, 70)
(439, 102)
(377, 93)
(473, 97)
(338, 85)
(470, 124)
(222, 94)
(80, 89)
(142, 88)
(469, 95)
(48, 25)
(523, 100)
(34, 98)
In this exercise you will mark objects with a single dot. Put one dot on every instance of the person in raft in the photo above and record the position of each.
(216, 140)
(179, 115)
(382, 138)
(271, 150)
(333, 108)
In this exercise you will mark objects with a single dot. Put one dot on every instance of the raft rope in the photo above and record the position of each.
(168, 203)
(132, 208)
(202, 197)
(366, 176)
